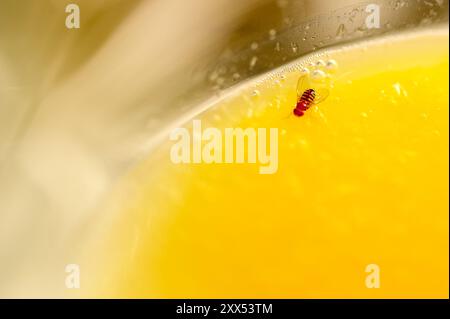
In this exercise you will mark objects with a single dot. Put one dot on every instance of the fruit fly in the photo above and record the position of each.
(308, 94)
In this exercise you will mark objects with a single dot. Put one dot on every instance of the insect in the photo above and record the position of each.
(308, 94)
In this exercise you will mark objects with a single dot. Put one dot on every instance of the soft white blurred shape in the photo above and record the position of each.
(73, 112)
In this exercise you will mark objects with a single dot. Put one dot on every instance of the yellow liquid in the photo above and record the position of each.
(362, 179)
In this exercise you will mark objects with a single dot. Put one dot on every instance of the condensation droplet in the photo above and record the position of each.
(287, 21)
(253, 61)
(272, 34)
(294, 47)
(277, 46)
(398, 5)
(222, 70)
(254, 46)
(213, 76)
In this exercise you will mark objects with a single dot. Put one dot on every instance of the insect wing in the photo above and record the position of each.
(321, 95)
(321, 87)
(303, 84)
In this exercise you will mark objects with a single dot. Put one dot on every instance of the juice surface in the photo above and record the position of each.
(362, 179)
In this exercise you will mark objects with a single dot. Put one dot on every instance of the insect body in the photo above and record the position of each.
(304, 102)
(309, 94)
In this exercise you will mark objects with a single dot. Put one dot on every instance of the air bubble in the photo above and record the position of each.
(331, 65)
(304, 70)
(278, 83)
(320, 63)
(318, 75)
(255, 93)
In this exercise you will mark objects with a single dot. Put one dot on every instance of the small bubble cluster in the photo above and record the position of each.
(320, 67)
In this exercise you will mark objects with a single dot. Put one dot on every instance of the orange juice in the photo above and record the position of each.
(362, 179)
